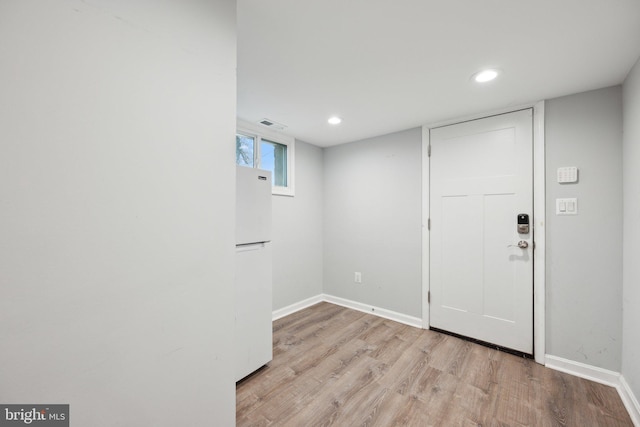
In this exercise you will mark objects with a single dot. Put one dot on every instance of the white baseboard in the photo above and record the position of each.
(376, 311)
(602, 376)
(285, 311)
(630, 401)
(582, 370)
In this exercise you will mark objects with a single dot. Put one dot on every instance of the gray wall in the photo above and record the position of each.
(372, 224)
(372, 221)
(584, 252)
(297, 232)
(117, 122)
(631, 271)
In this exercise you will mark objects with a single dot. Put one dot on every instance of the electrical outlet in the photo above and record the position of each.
(357, 277)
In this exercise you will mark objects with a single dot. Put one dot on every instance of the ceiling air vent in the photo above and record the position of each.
(271, 124)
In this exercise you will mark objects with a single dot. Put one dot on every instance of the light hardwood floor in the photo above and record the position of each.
(336, 366)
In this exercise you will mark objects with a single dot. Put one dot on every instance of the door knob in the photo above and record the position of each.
(522, 244)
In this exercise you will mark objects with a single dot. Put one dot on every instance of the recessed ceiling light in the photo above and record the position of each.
(334, 120)
(485, 76)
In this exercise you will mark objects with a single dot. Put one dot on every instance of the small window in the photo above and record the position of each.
(244, 150)
(268, 150)
(273, 157)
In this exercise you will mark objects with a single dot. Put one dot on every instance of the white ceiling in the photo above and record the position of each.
(385, 66)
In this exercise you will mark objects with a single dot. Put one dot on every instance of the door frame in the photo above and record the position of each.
(538, 215)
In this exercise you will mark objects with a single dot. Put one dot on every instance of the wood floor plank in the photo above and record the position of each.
(368, 411)
(481, 368)
(334, 366)
(438, 400)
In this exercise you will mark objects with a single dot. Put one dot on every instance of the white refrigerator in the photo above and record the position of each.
(253, 327)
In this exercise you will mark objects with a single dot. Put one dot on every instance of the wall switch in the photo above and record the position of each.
(567, 206)
(358, 277)
(562, 206)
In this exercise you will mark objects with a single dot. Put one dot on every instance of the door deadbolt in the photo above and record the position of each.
(523, 224)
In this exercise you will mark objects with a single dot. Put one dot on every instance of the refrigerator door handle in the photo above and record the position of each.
(250, 246)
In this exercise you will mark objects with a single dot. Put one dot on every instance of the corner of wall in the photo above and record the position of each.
(631, 233)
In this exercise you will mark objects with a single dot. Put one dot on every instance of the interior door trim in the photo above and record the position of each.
(538, 213)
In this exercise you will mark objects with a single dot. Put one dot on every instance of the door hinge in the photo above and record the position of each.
(429, 224)
(429, 150)
(428, 297)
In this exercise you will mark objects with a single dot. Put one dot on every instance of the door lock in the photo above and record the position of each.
(523, 224)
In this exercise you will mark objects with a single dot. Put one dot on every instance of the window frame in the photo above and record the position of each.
(259, 133)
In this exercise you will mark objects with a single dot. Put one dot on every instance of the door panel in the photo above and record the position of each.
(481, 283)
(499, 273)
(461, 292)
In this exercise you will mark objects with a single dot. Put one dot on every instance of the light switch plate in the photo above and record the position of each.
(567, 206)
(567, 175)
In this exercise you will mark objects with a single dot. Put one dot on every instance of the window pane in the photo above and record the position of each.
(273, 157)
(244, 150)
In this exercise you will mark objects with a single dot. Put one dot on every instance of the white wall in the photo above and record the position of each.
(584, 252)
(372, 222)
(631, 270)
(117, 122)
(297, 232)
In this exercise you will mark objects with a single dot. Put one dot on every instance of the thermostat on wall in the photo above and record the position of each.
(567, 174)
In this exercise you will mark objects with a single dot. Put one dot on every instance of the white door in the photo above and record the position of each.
(481, 179)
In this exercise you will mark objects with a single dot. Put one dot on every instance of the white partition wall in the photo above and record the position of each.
(117, 122)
